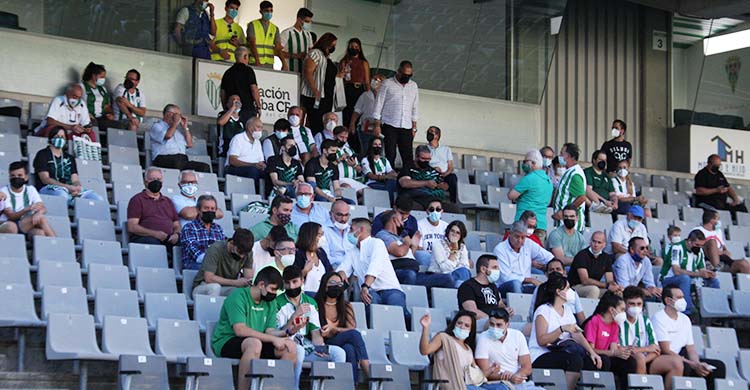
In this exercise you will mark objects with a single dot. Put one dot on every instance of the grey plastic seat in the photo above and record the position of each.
(599, 221)
(142, 372)
(15, 271)
(596, 380)
(88, 169)
(462, 175)
(125, 336)
(405, 350)
(53, 249)
(714, 303)
(207, 182)
(107, 276)
(470, 197)
(491, 240)
(126, 173)
(485, 179)
(744, 363)
(123, 191)
(145, 255)
(200, 146)
(72, 337)
(473, 162)
(248, 220)
(521, 303)
(640, 180)
(14, 245)
(10, 142)
(239, 201)
(18, 309)
(637, 381)
(722, 339)
(685, 184)
(473, 242)
(507, 215)
(510, 180)
(33, 146)
(389, 377)
(449, 217)
(663, 181)
(63, 300)
(97, 230)
(416, 296)
(497, 195)
(165, 306)
(227, 223)
(239, 185)
(97, 210)
(58, 273)
(678, 198)
(154, 280)
(386, 317)
(729, 359)
(549, 379)
(358, 212)
(741, 303)
(60, 225)
(375, 198)
(123, 155)
(692, 215)
(207, 309)
(737, 249)
(9, 125)
(688, 383)
(376, 351)
(56, 206)
(445, 299)
(121, 137)
(122, 303)
(209, 373)
(743, 282)
(101, 252)
(170, 177)
(503, 164)
(178, 340)
(438, 323)
(360, 315)
(698, 339)
(730, 384)
(188, 277)
(273, 374)
(331, 376)
(743, 219)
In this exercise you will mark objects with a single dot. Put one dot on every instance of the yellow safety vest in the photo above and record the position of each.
(264, 41)
(223, 36)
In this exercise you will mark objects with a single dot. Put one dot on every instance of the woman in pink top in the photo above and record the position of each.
(602, 330)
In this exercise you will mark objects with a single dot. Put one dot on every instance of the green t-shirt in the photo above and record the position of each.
(571, 244)
(219, 261)
(239, 307)
(536, 191)
(600, 183)
(260, 230)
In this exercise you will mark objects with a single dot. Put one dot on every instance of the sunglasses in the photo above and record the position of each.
(642, 248)
(432, 209)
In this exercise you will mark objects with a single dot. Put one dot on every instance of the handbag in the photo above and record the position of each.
(85, 149)
(339, 95)
(568, 346)
(473, 375)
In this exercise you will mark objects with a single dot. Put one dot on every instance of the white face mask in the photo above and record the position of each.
(340, 226)
(374, 84)
(287, 260)
(294, 120)
(570, 295)
(257, 134)
(100, 81)
(675, 239)
(73, 102)
(634, 311)
(615, 132)
(529, 231)
(680, 305)
(330, 125)
(622, 173)
(322, 242)
(560, 171)
(546, 162)
(620, 318)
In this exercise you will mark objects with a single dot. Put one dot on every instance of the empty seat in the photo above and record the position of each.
(17, 309)
(239, 201)
(497, 195)
(722, 339)
(473, 242)
(57, 206)
(123, 155)
(589, 305)
(154, 280)
(200, 147)
(743, 282)
(739, 233)
(521, 304)
(470, 197)
(63, 300)
(239, 185)
(123, 191)
(123, 303)
(88, 169)
(405, 350)
(677, 198)
(207, 182)
(54, 249)
(688, 383)
(120, 137)
(227, 223)
(507, 215)
(599, 221)
(375, 346)
(126, 173)
(97, 230)
(685, 184)
(58, 273)
(637, 381)
(178, 340)
(462, 175)
(107, 276)
(169, 306)
(10, 143)
(503, 164)
(360, 314)
(14, 245)
(332, 376)
(91, 209)
(60, 225)
(744, 363)
(693, 215)
(549, 379)
(743, 219)
(9, 125)
(653, 307)
(511, 179)
(725, 281)
(209, 373)
(142, 372)
(741, 303)
(15, 271)
(375, 198)
(737, 249)
(491, 240)
(445, 299)
(667, 212)
(714, 303)
(72, 337)
(663, 181)
(639, 179)
(273, 374)
(389, 376)
(473, 163)
(101, 252)
(416, 296)
(486, 179)
(206, 309)
(96, 185)
(145, 255)
(386, 317)
(729, 384)
(125, 336)
(437, 324)
(248, 220)
(597, 380)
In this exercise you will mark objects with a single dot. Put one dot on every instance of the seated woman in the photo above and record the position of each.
(602, 330)
(310, 257)
(378, 171)
(450, 256)
(337, 323)
(625, 191)
(56, 170)
(454, 354)
(97, 98)
(556, 341)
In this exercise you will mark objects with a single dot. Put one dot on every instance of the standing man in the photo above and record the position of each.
(194, 28)
(396, 113)
(572, 188)
(263, 38)
(229, 35)
(130, 103)
(617, 149)
(712, 189)
(442, 160)
(534, 191)
(239, 80)
(297, 40)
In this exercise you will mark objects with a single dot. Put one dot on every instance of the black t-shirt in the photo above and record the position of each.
(237, 81)
(286, 173)
(486, 296)
(324, 177)
(59, 168)
(704, 178)
(415, 173)
(616, 151)
(597, 267)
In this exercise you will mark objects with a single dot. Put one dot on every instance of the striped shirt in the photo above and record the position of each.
(346, 171)
(572, 185)
(319, 75)
(295, 42)
(621, 186)
(397, 105)
(638, 334)
(304, 139)
(137, 99)
(381, 166)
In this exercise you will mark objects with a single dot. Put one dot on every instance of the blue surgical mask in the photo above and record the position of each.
(636, 257)
(267, 15)
(494, 276)
(282, 134)
(461, 334)
(303, 201)
(189, 189)
(233, 13)
(307, 26)
(100, 81)
(434, 216)
(351, 238)
(632, 224)
(718, 225)
(496, 333)
(546, 162)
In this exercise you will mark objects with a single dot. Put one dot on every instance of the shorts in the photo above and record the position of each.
(232, 349)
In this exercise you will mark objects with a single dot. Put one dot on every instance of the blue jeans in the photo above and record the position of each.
(247, 171)
(515, 286)
(353, 345)
(322, 199)
(460, 275)
(406, 276)
(488, 386)
(684, 281)
(424, 258)
(389, 185)
(391, 297)
(60, 191)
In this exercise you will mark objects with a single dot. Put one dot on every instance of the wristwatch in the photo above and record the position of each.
(364, 285)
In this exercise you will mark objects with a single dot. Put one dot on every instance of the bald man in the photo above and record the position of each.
(67, 111)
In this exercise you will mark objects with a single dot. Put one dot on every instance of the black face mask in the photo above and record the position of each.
(154, 186)
(128, 84)
(294, 292)
(291, 151)
(334, 291)
(236, 257)
(400, 230)
(377, 150)
(340, 143)
(716, 168)
(569, 223)
(331, 49)
(268, 297)
(403, 78)
(423, 164)
(430, 137)
(696, 250)
(331, 157)
(17, 182)
(208, 216)
(352, 51)
(601, 165)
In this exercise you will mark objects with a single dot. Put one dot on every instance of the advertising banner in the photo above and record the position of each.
(728, 144)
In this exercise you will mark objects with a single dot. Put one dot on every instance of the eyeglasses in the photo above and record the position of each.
(432, 209)
(285, 250)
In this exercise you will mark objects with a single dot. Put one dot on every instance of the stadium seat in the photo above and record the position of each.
(33, 146)
(521, 304)
(72, 337)
(685, 184)
(146, 255)
(473, 241)
(272, 374)
(744, 363)
(375, 198)
(9, 125)
(6, 158)
(688, 383)
(729, 359)
(507, 215)
(207, 309)
(97, 230)
(53, 249)
(637, 381)
(743, 282)
(60, 225)
(15, 271)
(389, 377)
(63, 300)
(209, 373)
(462, 175)
(169, 306)
(227, 223)
(125, 336)
(497, 195)
(639, 180)
(207, 182)
(178, 340)
(107, 276)
(677, 198)
(123, 303)
(589, 305)
(658, 226)
(58, 273)
(10, 143)
(667, 212)
(200, 147)
(96, 185)
(123, 155)
(248, 220)
(599, 221)
(101, 252)
(549, 379)
(663, 181)
(360, 315)
(142, 372)
(386, 317)
(739, 233)
(596, 380)
(738, 249)
(126, 173)
(416, 296)
(97, 210)
(18, 308)
(37, 113)
(57, 206)
(445, 299)
(722, 339)
(714, 303)
(743, 219)
(375, 346)
(475, 163)
(447, 217)
(88, 169)
(239, 201)
(699, 339)
(503, 165)
(510, 180)
(741, 303)
(692, 215)
(123, 191)
(154, 280)
(729, 384)
(405, 350)
(726, 217)
(239, 185)
(725, 281)
(438, 323)
(188, 277)
(653, 307)
(14, 245)
(486, 179)
(120, 137)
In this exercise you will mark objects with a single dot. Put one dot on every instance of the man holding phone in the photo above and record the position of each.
(297, 310)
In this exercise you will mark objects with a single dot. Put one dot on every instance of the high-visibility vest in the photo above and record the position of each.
(264, 41)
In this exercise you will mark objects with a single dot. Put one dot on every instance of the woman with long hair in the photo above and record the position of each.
(356, 73)
(556, 341)
(602, 330)
(378, 171)
(625, 190)
(316, 93)
(97, 98)
(453, 351)
(310, 257)
(450, 256)
(337, 323)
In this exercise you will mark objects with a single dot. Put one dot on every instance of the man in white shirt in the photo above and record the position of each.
(515, 256)
(246, 153)
(303, 136)
(715, 248)
(22, 207)
(305, 210)
(502, 352)
(67, 111)
(396, 113)
(169, 144)
(130, 102)
(336, 230)
(623, 230)
(364, 112)
(674, 332)
(442, 160)
(185, 203)
(330, 122)
(370, 263)
(634, 267)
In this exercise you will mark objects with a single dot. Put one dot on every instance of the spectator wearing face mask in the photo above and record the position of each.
(712, 190)
(599, 188)
(67, 111)
(305, 210)
(170, 139)
(130, 102)
(152, 218)
(273, 142)
(442, 160)
(532, 233)
(229, 123)
(296, 40)
(534, 191)
(227, 265)
(634, 268)
(311, 257)
(330, 123)
(362, 121)
(479, 294)
(186, 202)
(626, 192)
(502, 352)
(449, 255)
(688, 266)
(263, 250)
(280, 214)
(263, 39)
(200, 233)
(229, 35)
(623, 230)
(97, 98)
(303, 136)
(591, 272)
(356, 74)
(323, 174)
(284, 170)
(377, 169)
(572, 187)
(318, 81)
(548, 154)
(246, 154)
(617, 149)
(422, 183)
(716, 249)
(565, 241)
(21, 207)
(349, 166)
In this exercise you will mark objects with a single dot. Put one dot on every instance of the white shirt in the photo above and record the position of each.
(397, 105)
(245, 149)
(137, 99)
(554, 321)
(365, 106)
(60, 111)
(31, 193)
(504, 353)
(381, 167)
(261, 257)
(322, 136)
(678, 332)
(302, 146)
(716, 235)
(181, 201)
(440, 157)
(431, 234)
(312, 279)
(621, 186)
(517, 265)
(98, 100)
(371, 258)
(159, 146)
(285, 314)
(621, 234)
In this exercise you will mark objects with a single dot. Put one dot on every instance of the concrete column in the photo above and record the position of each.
(656, 90)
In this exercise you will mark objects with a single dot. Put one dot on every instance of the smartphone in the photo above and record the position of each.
(709, 367)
